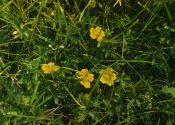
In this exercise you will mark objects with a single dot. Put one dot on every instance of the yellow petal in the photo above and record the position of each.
(114, 76)
(85, 71)
(86, 84)
(98, 29)
(99, 39)
(102, 34)
(52, 67)
(81, 74)
(56, 68)
(45, 68)
(92, 30)
(104, 79)
(90, 77)
(93, 36)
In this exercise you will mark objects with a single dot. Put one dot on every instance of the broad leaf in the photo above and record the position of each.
(170, 90)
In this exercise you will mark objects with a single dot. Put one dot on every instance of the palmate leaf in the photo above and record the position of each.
(170, 90)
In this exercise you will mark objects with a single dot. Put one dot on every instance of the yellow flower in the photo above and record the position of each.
(97, 33)
(49, 68)
(108, 76)
(85, 77)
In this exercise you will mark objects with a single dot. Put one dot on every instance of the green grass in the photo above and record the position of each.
(139, 46)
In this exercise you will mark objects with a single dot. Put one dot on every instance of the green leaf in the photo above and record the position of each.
(170, 90)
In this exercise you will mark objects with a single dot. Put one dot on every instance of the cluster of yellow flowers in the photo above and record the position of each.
(97, 33)
(107, 76)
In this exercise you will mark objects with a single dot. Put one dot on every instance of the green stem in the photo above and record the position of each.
(95, 86)
(137, 74)
(82, 13)
(35, 90)
(67, 68)
(76, 101)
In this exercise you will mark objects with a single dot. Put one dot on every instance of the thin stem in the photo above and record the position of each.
(35, 89)
(76, 101)
(67, 68)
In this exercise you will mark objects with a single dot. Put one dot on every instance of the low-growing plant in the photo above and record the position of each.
(90, 62)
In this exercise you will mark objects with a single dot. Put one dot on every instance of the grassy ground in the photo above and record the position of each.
(138, 46)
